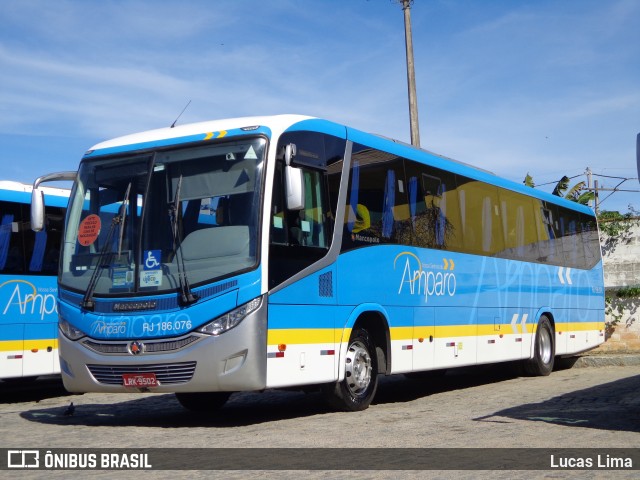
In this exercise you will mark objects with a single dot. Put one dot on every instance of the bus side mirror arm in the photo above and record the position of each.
(294, 180)
(37, 197)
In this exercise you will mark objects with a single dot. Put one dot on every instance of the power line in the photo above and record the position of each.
(556, 181)
(595, 188)
(609, 176)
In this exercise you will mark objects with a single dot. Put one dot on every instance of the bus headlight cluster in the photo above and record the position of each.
(230, 319)
(69, 331)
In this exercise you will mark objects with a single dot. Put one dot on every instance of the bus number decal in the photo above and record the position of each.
(125, 325)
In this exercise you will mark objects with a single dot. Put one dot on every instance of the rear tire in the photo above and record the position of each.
(360, 383)
(543, 350)
(203, 402)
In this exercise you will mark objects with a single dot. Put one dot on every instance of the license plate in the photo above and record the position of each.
(139, 380)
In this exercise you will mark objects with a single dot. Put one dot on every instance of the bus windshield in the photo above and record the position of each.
(163, 221)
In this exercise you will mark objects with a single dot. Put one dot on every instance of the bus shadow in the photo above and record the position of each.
(398, 388)
(164, 411)
(248, 408)
(31, 390)
(610, 406)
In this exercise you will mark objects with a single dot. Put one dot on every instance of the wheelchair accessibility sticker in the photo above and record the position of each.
(151, 273)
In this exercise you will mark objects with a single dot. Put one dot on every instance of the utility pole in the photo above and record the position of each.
(411, 75)
(590, 183)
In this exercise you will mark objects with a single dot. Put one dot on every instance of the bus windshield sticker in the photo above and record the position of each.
(151, 260)
(89, 230)
(151, 278)
(251, 154)
(151, 274)
(122, 277)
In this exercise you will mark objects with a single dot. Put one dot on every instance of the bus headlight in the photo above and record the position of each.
(230, 319)
(69, 331)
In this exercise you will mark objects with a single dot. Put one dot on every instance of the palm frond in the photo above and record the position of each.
(561, 186)
(528, 181)
(574, 192)
(586, 197)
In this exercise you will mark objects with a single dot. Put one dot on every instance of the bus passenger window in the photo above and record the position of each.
(377, 209)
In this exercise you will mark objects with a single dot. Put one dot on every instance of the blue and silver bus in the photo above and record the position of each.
(267, 252)
(28, 270)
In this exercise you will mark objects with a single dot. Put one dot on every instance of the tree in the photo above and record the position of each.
(575, 193)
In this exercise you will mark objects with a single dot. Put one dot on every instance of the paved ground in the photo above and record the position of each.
(594, 407)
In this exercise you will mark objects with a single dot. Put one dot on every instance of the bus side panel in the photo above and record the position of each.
(456, 337)
(304, 336)
(478, 309)
(41, 349)
(402, 338)
(424, 332)
(30, 319)
(11, 350)
(577, 306)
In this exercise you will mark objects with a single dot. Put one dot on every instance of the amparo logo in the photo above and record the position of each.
(114, 327)
(427, 281)
(23, 298)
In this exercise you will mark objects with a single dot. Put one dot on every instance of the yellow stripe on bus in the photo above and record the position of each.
(330, 335)
(17, 345)
(304, 335)
(579, 326)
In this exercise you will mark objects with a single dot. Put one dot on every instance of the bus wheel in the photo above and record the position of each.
(360, 383)
(543, 351)
(203, 401)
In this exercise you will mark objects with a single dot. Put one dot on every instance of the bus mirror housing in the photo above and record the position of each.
(37, 210)
(294, 180)
(37, 197)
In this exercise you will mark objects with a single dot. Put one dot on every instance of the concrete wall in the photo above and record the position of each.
(622, 258)
(622, 269)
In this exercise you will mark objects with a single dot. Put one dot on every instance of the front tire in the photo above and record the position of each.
(543, 351)
(360, 383)
(203, 402)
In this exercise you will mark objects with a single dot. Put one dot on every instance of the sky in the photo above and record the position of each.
(545, 87)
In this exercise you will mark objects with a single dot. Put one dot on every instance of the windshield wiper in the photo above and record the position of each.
(87, 300)
(186, 296)
(123, 216)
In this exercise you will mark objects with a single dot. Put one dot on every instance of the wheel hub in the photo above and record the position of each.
(544, 347)
(358, 368)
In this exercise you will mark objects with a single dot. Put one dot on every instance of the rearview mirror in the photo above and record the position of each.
(37, 210)
(37, 197)
(294, 180)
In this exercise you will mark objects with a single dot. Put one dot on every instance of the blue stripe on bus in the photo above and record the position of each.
(25, 198)
(486, 291)
(160, 322)
(318, 125)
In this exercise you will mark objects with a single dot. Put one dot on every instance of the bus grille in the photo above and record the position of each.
(166, 373)
(120, 348)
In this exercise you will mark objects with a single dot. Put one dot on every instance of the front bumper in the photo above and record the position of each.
(232, 361)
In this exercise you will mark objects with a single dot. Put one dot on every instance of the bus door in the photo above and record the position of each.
(301, 343)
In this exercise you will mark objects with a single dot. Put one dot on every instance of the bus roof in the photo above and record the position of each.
(21, 193)
(276, 122)
(279, 123)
